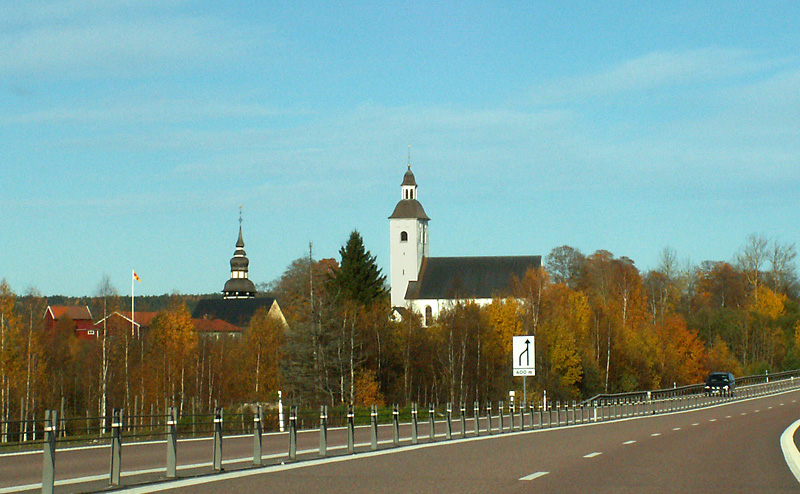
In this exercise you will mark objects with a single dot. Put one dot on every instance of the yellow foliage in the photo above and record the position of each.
(768, 304)
(504, 319)
(367, 389)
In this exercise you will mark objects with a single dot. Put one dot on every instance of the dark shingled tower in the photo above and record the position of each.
(239, 286)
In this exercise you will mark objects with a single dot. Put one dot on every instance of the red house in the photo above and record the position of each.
(80, 317)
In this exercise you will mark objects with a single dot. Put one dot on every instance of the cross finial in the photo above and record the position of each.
(240, 216)
(409, 156)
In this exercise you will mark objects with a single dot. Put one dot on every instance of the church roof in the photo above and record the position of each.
(409, 208)
(408, 177)
(240, 287)
(445, 278)
(236, 311)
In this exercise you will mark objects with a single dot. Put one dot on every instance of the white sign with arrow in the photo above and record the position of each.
(522, 349)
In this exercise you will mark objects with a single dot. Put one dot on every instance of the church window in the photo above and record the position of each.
(404, 236)
(428, 315)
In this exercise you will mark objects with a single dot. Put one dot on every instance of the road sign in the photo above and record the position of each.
(522, 349)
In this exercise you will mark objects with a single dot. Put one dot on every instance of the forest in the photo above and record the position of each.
(600, 325)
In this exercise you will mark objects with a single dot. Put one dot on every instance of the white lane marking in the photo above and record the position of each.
(790, 453)
(757, 411)
(655, 434)
(592, 455)
(712, 420)
(629, 442)
(727, 416)
(743, 413)
(769, 408)
(676, 428)
(695, 424)
(534, 476)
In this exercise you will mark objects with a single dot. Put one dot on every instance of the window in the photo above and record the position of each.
(404, 236)
(428, 315)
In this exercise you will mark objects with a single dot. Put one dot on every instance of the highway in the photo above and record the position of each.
(732, 447)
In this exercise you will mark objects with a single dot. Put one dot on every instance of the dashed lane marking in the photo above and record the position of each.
(655, 434)
(592, 455)
(629, 442)
(534, 476)
(676, 428)
(712, 420)
(695, 424)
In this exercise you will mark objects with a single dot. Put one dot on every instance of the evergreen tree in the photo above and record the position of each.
(358, 278)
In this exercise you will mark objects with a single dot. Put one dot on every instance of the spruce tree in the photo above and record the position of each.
(358, 278)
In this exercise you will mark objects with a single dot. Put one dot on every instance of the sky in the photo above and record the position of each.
(131, 132)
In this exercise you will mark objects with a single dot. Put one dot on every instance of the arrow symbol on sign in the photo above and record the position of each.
(526, 353)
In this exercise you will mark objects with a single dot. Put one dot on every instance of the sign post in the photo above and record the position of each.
(523, 354)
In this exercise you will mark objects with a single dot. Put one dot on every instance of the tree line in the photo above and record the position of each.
(600, 325)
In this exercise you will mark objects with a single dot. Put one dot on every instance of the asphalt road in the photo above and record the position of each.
(731, 448)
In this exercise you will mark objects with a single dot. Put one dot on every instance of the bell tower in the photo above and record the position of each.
(239, 286)
(408, 230)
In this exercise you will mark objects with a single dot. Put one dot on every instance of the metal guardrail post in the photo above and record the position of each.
(476, 415)
(414, 424)
(116, 446)
(218, 418)
(257, 431)
(432, 422)
(323, 430)
(172, 442)
(512, 409)
(501, 409)
(293, 433)
(395, 425)
(351, 429)
(373, 419)
(449, 433)
(463, 419)
(49, 453)
(489, 417)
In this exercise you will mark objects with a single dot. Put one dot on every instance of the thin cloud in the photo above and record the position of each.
(653, 70)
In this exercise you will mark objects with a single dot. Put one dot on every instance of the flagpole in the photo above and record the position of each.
(133, 314)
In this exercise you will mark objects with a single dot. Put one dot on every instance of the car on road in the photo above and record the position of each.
(721, 383)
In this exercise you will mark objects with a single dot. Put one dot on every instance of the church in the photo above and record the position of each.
(239, 300)
(426, 284)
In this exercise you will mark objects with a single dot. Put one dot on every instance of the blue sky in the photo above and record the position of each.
(131, 131)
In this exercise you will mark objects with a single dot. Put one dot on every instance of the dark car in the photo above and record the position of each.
(722, 383)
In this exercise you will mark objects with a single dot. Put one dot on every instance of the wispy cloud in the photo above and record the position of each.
(653, 70)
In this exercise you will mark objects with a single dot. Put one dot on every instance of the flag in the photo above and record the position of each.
(136, 277)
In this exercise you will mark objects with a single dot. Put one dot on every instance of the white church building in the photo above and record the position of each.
(427, 284)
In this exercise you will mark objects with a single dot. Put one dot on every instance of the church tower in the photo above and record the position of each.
(239, 286)
(408, 229)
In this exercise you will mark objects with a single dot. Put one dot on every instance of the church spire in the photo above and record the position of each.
(239, 286)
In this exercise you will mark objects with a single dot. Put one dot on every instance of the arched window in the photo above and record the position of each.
(428, 315)
(404, 236)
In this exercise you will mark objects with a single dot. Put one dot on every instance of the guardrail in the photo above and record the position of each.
(448, 422)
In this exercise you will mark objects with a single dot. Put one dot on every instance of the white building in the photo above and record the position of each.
(428, 284)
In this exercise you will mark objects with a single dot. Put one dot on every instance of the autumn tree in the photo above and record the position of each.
(173, 342)
(564, 343)
(263, 347)
(565, 265)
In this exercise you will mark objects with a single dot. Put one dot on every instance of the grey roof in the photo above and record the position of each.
(409, 208)
(239, 287)
(446, 278)
(236, 311)
(408, 177)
